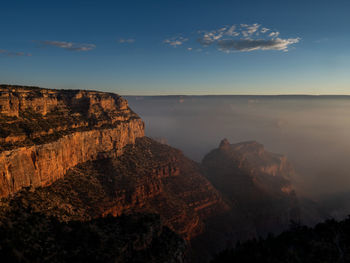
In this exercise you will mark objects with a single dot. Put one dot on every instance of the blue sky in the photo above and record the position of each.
(178, 47)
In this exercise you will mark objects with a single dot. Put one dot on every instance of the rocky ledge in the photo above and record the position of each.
(43, 132)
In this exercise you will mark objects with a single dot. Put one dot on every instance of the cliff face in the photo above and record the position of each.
(85, 147)
(88, 152)
(257, 182)
(16, 100)
(148, 177)
(44, 133)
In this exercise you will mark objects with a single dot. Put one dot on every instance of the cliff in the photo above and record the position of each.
(149, 177)
(70, 158)
(82, 155)
(257, 182)
(78, 156)
(44, 133)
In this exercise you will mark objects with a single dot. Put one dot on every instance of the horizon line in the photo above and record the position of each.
(179, 95)
(245, 95)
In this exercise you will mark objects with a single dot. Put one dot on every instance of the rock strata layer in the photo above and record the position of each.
(148, 177)
(44, 133)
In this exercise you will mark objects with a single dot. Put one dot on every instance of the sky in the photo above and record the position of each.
(178, 47)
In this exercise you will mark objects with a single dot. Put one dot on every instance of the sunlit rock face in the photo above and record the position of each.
(82, 155)
(149, 177)
(92, 144)
(43, 132)
(257, 183)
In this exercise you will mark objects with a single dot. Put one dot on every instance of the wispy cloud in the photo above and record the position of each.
(264, 30)
(69, 45)
(245, 45)
(175, 41)
(209, 37)
(244, 38)
(274, 34)
(231, 31)
(126, 40)
(14, 54)
(248, 30)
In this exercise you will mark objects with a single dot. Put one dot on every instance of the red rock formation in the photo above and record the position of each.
(256, 181)
(152, 177)
(14, 100)
(249, 161)
(148, 177)
(80, 138)
(46, 132)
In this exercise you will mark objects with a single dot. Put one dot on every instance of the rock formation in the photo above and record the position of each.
(256, 182)
(76, 156)
(44, 133)
(80, 155)
(148, 178)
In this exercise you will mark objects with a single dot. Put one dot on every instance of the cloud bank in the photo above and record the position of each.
(245, 45)
(69, 45)
(238, 38)
(245, 38)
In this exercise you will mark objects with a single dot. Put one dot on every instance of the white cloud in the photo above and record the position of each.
(232, 31)
(264, 30)
(274, 34)
(237, 38)
(210, 37)
(126, 40)
(14, 54)
(244, 38)
(175, 41)
(245, 45)
(248, 30)
(69, 45)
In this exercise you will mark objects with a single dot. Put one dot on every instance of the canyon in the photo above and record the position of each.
(100, 128)
(45, 132)
(77, 156)
(80, 156)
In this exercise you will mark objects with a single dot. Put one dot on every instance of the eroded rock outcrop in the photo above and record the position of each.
(44, 133)
(257, 182)
(161, 179)
(85, 148)
(148, 177)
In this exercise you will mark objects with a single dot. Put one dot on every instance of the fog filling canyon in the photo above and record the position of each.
(312, 131)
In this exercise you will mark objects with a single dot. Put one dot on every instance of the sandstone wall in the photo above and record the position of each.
(16, 99)
(39, 156)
